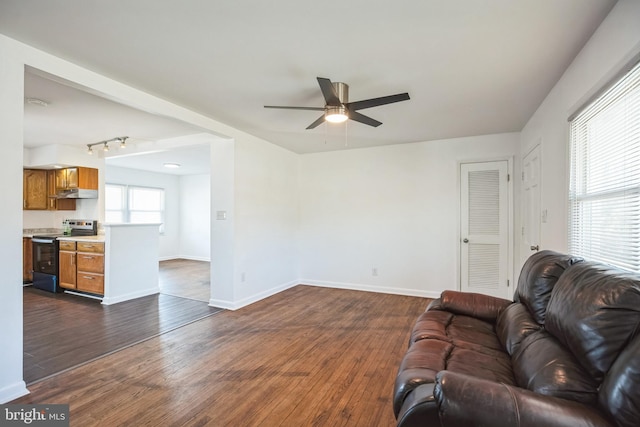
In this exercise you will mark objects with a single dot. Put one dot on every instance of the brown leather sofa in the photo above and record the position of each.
(565, 352)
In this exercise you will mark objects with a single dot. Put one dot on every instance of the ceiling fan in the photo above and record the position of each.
(338, 108)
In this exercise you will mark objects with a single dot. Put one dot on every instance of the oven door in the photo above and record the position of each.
(45, 263)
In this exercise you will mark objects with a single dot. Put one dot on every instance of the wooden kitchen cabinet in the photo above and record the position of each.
(27, 260)
(90, 275)
(82, 266)
(76, 177)
(67, 264)
(55, 204)
(34, 189)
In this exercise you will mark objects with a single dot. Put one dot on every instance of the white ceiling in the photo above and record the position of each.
(471, 67)
(75, 117)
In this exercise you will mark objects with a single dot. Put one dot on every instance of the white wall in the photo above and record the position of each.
(11, 124)
(266, 220)
(613, 45)
(195, 217)
(392, 208)
(169, 246)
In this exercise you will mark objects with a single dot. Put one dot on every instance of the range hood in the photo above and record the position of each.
(77, 193)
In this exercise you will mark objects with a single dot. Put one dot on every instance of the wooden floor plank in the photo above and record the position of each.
(306, 356)
(62, 330)
(186, 278)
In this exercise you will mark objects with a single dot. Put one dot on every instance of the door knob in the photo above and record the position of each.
(465, 240)
(535, 248)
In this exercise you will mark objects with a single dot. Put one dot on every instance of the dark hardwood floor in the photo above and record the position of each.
(62, 330)
(307, 356)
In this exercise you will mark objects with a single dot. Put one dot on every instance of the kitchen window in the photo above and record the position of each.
(604, 196)
(134, 204)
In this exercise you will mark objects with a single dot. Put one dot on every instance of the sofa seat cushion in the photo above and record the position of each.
(432, 324)
(444, 341)
(543, 365)
(462, 331)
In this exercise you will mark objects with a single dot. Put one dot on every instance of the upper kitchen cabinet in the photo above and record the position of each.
(34, 189)
(41, 187)
(75, 178)
(54, 203)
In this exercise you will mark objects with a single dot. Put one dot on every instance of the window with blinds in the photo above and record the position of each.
(137, 205)
(604, 192)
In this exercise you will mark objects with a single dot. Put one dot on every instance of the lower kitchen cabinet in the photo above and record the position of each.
(83, 266)
(67, 264)
(27, 260)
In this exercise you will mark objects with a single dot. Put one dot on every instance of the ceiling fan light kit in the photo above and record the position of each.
(337, 107)
(336, 114)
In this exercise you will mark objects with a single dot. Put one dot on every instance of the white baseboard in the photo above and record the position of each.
(370, 288)
(189, 257)
(236, 305)
(130, 296)
(13, 391)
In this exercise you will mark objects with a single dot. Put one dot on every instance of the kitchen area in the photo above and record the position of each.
(107, 262)
(89, 287)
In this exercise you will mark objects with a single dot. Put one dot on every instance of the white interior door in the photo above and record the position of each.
(484, 228)
(531, 211)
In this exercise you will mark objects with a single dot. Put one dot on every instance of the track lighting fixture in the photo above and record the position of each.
(121, 139)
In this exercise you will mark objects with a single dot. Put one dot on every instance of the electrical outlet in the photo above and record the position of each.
(374, 271)
(243, 277)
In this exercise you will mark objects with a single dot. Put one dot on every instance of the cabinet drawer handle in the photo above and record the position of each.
(87, 257)
(88, 277)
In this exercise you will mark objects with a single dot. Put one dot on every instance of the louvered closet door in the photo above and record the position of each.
(484, 228)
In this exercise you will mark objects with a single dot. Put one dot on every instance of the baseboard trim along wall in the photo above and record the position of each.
(192, 258)
(370, 288)
(236, 305)
(130, 296)
(13, 391)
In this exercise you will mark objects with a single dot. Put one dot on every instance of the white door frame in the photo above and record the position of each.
(524, 251)
(510, 228)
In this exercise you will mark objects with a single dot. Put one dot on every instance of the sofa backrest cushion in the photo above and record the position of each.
(594, 310)
(513, 325)
(620, 390)
(538, 276)
(543, 365)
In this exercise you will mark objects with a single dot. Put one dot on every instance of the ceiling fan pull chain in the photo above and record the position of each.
(346, 134)
(326, 130)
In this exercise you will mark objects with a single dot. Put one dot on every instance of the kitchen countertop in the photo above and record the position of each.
(30, 232)
(98, 238)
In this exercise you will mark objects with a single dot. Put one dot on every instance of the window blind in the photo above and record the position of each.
(604, 193)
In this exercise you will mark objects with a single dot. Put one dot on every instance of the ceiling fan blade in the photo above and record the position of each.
(316, 123)
(295, 108)
(355, 116)
(329, 93)
(374, 102)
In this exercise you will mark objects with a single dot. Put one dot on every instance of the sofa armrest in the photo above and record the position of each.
(436, 304)
(464, 400)
(419, 408)
(481, 306)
